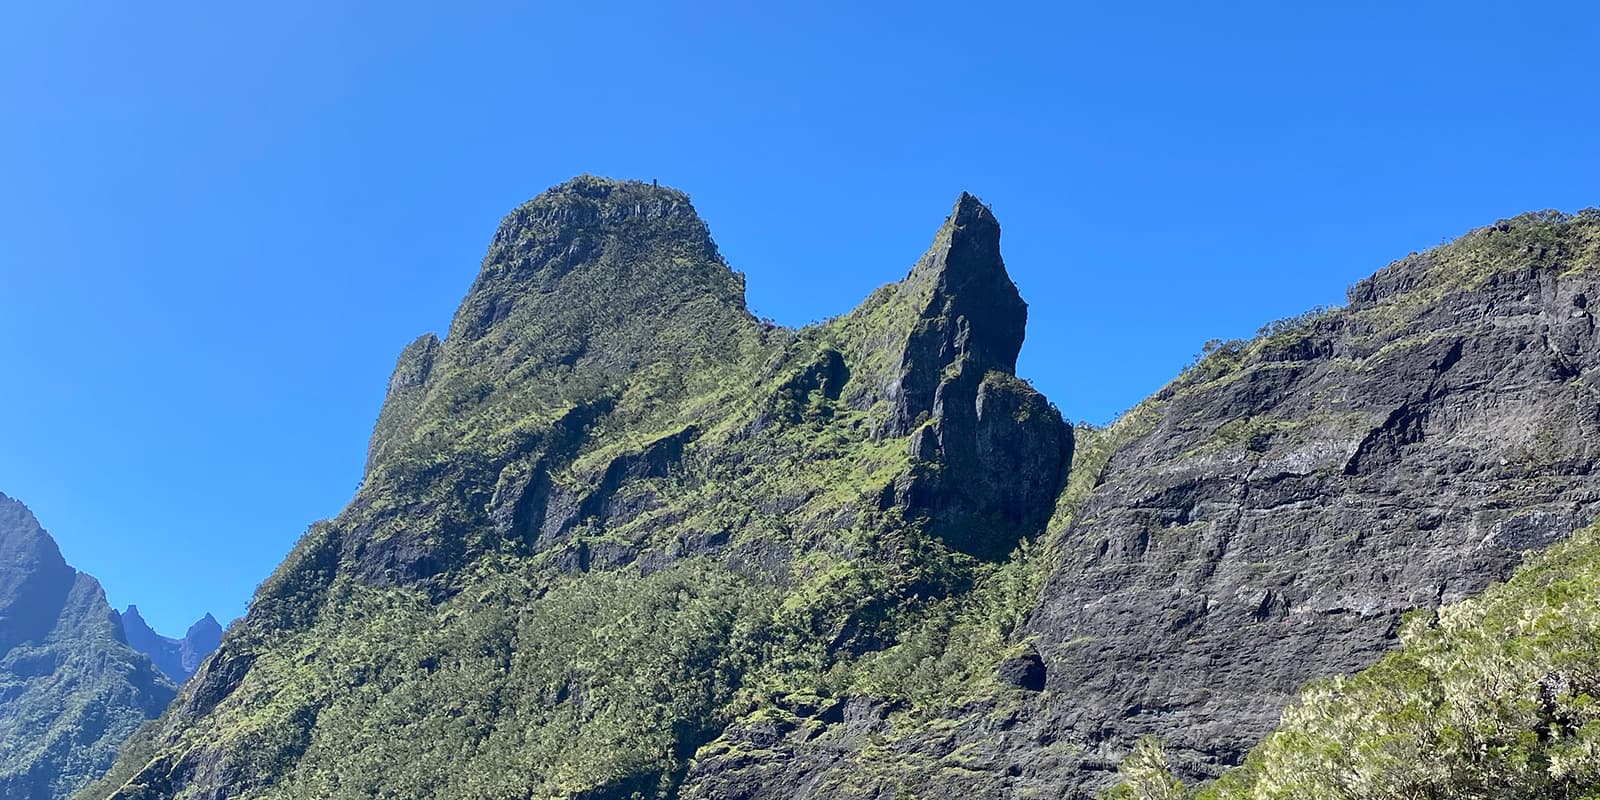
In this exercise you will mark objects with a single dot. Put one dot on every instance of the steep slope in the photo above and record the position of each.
(1263, 521)
(177, 658)
(619, 539)
(611, 513)
(1297, 494)
(1491, 698)
(71, 690)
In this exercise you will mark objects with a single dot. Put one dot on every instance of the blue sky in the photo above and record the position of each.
(220, 222)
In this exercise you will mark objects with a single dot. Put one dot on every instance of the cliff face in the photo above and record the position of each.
(1263, 521)
(71, 690)
(619, 539)
(1297, 494)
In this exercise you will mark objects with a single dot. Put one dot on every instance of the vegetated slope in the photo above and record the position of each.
(618, 538)
(1263, 521)
(71, 690)
(612, 513)
(1492, 698)
(178, 658)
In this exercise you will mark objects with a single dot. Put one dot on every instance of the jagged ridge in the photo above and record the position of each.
(177, 658)
(611, 512)
(735, 561)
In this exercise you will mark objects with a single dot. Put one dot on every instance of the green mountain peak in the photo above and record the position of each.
(71, 688)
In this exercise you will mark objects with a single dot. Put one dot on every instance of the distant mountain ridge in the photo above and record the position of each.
(71, 688)
(178, 658)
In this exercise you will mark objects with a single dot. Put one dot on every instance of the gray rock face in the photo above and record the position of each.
(1277, 509)
(1280, 515)
(992, 452)
(993, 460)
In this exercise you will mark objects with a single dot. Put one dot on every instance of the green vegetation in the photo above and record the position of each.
(1493, 697)
(71, 690)
(608, 516)
(1517, 245)
(1146, 775)
(612, 524)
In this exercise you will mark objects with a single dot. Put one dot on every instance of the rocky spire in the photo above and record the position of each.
(980, 312)
(942, 346)
(964, 309)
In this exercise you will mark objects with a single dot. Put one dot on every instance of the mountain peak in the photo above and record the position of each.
(200, 641)
(19, 527)
(207, 627)
(971, 288)
(957, 308)
(586, 254)
(597, 187)
(131, 618)
(970, 210)
(177, 658)
(585, 288)
(75, 688)
(35, 580)
(588, 201)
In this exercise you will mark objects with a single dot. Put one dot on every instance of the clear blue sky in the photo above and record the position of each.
(219, 222)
